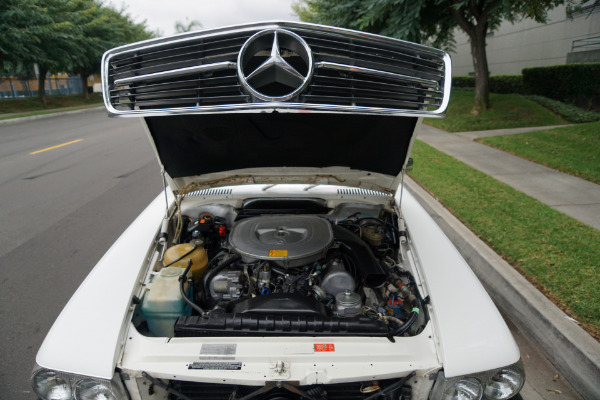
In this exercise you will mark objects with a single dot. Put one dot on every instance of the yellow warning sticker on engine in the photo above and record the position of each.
(278, 253)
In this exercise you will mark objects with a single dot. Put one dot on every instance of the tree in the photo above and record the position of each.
(102, 29)
(22, 22)
(181, 27)
(431, 22)
(59, 42)
(61, 36)
(25, 27)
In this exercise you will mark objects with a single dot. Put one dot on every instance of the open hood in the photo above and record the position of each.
(278, 102)
(216, 150)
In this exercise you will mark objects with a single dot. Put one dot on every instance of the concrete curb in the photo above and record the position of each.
(49, 115)
(574, 353)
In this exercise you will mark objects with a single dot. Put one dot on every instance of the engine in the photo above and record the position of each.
(315, 274)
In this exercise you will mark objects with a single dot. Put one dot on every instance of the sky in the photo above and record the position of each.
(162, 14)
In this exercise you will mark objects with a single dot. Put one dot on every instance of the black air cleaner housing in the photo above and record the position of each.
(288, 241)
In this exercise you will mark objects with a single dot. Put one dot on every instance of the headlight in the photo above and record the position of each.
(90, 389)
(54, 385)
(498, 384)
(464, 389)
(505, 384)
(461, 388)
(51, 385)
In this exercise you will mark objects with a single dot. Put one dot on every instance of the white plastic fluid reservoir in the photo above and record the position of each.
(163, 303)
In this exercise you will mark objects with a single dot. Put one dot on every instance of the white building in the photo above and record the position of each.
(527, 43)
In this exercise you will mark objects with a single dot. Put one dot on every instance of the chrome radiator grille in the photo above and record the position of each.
(193, 72)
(335, 70)
(359, 71)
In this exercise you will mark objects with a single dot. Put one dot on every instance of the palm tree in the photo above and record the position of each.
(188, 26)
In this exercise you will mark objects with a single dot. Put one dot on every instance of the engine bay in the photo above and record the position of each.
(282, 266)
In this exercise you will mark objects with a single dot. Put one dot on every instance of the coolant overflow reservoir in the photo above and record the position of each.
(199, 259)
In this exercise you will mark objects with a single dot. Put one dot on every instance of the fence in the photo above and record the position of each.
(12, 87)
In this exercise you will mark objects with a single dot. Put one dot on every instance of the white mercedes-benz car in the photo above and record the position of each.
(284, 260)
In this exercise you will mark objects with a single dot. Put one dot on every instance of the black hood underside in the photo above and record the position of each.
(192, 145)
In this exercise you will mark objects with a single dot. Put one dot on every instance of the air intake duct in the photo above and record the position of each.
(358, 253)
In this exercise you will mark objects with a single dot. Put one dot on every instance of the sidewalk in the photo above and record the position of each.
(570, 195)
(51, 110)
(49, 113)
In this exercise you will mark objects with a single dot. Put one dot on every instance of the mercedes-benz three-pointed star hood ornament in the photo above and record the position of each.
(284, 73)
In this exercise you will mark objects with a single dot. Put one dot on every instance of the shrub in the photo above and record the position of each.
(570, 83)
(463, 81)
(504, 84)
(569, 112)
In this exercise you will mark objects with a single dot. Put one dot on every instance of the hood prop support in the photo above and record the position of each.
(407, 168)
(163, 237)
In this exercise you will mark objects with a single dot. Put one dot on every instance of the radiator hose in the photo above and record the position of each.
(182, 279)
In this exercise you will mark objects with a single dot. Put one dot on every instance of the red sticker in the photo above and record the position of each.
(324, 347)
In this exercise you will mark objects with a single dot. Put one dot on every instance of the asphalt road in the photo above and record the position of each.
(62, 208)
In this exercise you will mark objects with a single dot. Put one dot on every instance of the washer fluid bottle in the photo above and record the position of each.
(163, 303)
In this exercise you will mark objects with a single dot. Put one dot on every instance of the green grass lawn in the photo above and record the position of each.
(508, 111)
(560, 255)
(33, 105)
(573, 149)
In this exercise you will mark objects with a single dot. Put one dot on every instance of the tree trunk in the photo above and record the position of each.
(85, 93)
(43, 71)
(482, 74)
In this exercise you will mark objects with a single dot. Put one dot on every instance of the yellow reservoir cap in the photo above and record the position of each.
(198, 256)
